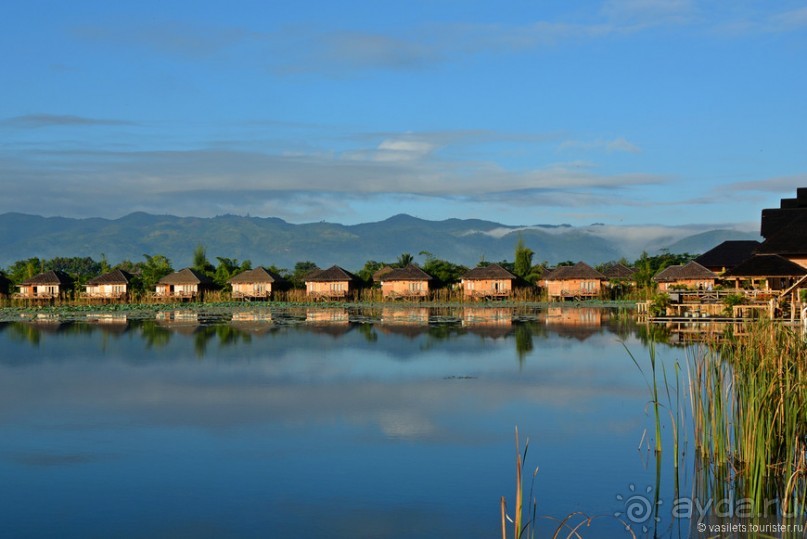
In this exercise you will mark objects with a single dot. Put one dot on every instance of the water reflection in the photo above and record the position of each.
(382, 422)
(519, 326)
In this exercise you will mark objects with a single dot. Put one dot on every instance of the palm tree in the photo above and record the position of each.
(404, 259)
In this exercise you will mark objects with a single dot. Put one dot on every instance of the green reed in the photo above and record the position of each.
(748, 397)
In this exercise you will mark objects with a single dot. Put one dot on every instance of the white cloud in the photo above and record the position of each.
(619, 144)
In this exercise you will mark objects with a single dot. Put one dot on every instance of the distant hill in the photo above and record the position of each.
(274, 241)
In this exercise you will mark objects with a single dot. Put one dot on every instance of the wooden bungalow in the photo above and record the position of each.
(620, 279)
(184, 284)
(332, 283)
(113, 285)
(258, 283)
(766, 272)
(491, 281)
(727, 255)
(47, 285)
(580, 281)
(690, 276)
(409, 282)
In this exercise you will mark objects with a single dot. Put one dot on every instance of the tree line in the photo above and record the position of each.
(152, 268)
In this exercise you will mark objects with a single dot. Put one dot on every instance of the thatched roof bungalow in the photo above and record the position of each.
(766, 272)
(727, 255)
(618, 272)
(185, 284)
(408, 282)
(47, 285)
(492, 281)
(331, 283)
(258, 283)
(580, 281)
(690, 276)
(112, 285)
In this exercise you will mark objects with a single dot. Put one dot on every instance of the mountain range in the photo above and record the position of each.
(272, 241)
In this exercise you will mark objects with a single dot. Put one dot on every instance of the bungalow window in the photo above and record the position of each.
(415, 286)
(337, 287)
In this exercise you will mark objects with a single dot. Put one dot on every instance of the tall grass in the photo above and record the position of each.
(749, 409)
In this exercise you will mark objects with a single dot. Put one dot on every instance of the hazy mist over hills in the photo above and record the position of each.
(268, 241)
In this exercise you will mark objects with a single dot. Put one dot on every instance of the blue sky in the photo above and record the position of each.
(624, 112)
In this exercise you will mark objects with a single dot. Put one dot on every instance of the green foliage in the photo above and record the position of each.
(730, 301)
(444, 271)
(301, 269)
(404, 259)
(153, 269)
(369, 268)
(659, 304)
(647, 266)
(522, 267)
(80, 269)
(228, 268)
(201, 263)
(22, 270)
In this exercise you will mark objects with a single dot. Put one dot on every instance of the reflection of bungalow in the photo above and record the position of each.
(186, 284)
(491, 281)
(580, 281)
(331, 283)
(185, 322)
(691, 276)
(766, 272)
(727, 255)
(113, 285)
(408, 282)
(256, 283)
(327, 316)
(405, 317)
(574, 317)
(254, 322)
(46, 285)
(487, 317)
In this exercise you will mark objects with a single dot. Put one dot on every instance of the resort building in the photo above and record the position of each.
(258, 283)
(332, 283)
(409, 282)
(727, 255)
(112, 285)
(184, 284)
(620, 279)
(690, 276)
(491, 281)
(580, 281)
(766, 273)
(47, 285)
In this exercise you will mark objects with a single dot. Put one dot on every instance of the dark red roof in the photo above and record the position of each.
(334, 273)
(492, 271)
(409, 273)
(113, 277)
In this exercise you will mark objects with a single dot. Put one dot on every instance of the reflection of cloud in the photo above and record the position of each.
(405, 424)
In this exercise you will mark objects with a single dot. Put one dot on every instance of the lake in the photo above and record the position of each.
(323, 422)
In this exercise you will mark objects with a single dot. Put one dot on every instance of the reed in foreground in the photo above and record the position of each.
(749, 408)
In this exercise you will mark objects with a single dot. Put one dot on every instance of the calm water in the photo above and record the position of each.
(394, 423)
